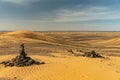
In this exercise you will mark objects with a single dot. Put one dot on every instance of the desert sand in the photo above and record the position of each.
(67, 68)
(52, 48)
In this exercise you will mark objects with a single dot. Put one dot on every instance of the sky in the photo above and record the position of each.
(60, 15)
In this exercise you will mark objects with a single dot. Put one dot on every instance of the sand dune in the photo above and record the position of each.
(26, 35)
(31, 37)
(115, 41)
(47, 42)
(61, 64)
(69, 68)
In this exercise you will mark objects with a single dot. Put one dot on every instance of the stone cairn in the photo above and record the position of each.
(92, 54)
(21, 60)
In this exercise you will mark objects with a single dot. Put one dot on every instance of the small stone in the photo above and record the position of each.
(42, 62)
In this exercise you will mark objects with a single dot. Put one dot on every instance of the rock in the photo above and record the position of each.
(42, 62)
(71, 51)
(21, 60)
(92, 54)
(31, 61)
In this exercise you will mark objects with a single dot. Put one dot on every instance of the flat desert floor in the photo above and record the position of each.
(53, 48)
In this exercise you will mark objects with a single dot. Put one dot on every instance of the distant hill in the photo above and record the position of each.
(60, 41)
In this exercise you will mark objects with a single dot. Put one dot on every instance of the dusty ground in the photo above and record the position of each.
(52, 48)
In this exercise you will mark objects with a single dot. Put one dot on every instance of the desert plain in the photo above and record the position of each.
(60, 64)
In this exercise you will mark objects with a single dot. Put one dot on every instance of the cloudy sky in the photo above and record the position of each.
(45, 15)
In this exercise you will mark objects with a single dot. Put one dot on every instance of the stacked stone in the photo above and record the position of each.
(21, 60)
(92, 54)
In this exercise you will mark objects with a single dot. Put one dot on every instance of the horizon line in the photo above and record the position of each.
(61, 30)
